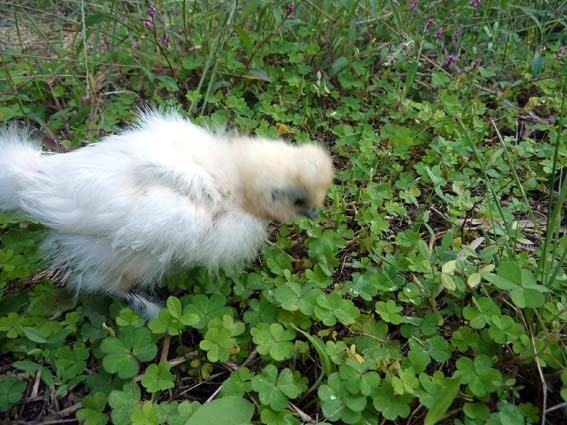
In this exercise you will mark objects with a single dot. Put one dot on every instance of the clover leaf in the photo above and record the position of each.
(478, 374)
(274, 340)
(146, 414)
(173, 319)
(206, 309)
(333, 307)
(390, 404)
(11, 391)
(125, 351)
(92, 412)
(124, 402)
(158, 378)
(219, 342)
(338, 403)
(274, 389)
(389, 311)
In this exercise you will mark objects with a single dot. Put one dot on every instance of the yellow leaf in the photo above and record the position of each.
(282, 129)
(351, 351)
(474, 280)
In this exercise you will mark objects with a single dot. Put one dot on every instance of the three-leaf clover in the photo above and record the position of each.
(478, 374)
(125, 351)
(339, 403)
(274, 340)
(71, 362)
(389, 311)
(158, 377)
(173, 319)
(389, 404)
(274, 389)
(11, 391)
(124, 402)
(219, 342)
(92, 412)
(205, 309)
(333, 307)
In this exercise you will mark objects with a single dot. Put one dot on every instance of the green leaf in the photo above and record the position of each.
(224, 411)
(95, 19)
(339, 63)
(124, 352)
(27, 365)
(536, 64)
(124, 402)
(92, 412)
(442, 402)
(219, 342)
(176, 414)
(274, 340)
(324, 358)
(129, 317)
(389, 311)
(146, 414)
(448, 282)
(274, 389)
(527, 298)
(411, 73)
(389, 404)
(244, 38)
(158, 378)
(11, 391)
(35, 335)
(71, 362)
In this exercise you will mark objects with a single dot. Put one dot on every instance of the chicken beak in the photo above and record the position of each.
(309, 213)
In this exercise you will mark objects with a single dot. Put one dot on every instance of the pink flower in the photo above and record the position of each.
(474, 3)
(439, 33)
(152, 10)
(148, 23)
(560, 52)
(413, 5)
(477, 63)
(430, 22)
(450, 60)
(457, 34)
(290, 10)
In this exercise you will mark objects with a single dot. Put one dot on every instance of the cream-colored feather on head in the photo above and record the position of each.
(280, 181)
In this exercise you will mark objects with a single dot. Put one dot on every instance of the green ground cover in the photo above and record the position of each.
(432, 289)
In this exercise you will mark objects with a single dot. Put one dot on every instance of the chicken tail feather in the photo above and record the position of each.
(19, 161)
(143, 304)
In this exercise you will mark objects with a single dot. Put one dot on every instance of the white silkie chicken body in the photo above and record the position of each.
(164, 193)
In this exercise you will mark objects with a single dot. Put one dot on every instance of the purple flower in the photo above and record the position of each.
(450, 60)
(290, 10)
(152, 10)
(560, 52)
(474, 3)
(166, 41)
(477, 63)
(413, 5)
(439, 33)
(148, 23)
(430, 22)
(457, 34)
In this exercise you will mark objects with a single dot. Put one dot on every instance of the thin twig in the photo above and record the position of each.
(543, 384)
(165, 348)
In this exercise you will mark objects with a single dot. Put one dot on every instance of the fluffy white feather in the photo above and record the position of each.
(163, 193)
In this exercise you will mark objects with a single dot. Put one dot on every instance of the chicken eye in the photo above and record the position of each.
(299, 202)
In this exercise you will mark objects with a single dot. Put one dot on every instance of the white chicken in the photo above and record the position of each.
(164, 193)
